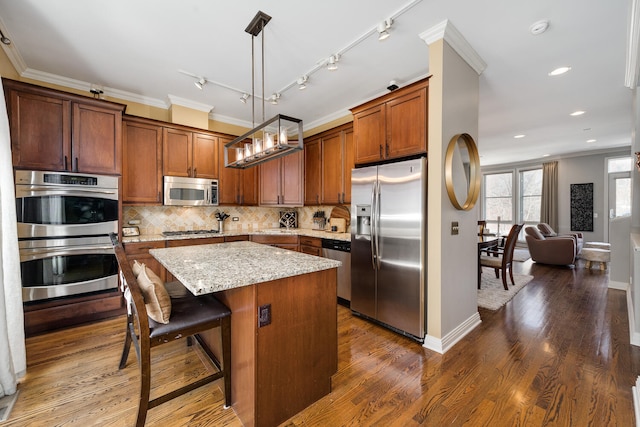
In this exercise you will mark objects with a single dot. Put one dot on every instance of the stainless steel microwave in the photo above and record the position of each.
(181, 191)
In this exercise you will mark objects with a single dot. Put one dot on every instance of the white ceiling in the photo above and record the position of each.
(135, 49)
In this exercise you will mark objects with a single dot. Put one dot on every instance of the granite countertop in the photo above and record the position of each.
(272, 231)
(218, 267)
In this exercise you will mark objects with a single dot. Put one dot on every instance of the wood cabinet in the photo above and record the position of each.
(312, 176)
(311, 245)
(281, 181)
(393, 126)
(337, 162)
(236, 186)
(140, 251)
(59, 131)
(189, 154)
(328, 162)
(284, 241)
(141, 162)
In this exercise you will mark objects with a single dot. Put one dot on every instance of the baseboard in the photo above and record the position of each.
(442, 345)
(636, 401)
(618, 285)
(634, 335)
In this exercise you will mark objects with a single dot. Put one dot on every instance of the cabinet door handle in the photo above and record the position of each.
(195, 172)
(386, 147)
(189, 171)
(76, 169)
(317, 199)
(339, 198)
(66, 167)
(159, 197)
(380, 150)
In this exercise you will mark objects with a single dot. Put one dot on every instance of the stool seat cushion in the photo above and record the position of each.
(189, 312)
(598, 245)
(595, 254)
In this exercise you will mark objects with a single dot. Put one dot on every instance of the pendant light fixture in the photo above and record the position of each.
(276, 137)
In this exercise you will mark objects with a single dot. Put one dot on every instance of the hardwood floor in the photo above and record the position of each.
(558, 354)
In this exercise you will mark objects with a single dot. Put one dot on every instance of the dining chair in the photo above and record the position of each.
(501, 258)
(189, 316)
(482, 225)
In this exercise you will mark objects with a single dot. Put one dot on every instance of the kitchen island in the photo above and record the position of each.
(283, 322)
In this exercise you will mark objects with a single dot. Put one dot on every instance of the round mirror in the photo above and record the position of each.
(462, 171)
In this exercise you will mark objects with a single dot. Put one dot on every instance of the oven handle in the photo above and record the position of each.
(69, 191)
(33, 254)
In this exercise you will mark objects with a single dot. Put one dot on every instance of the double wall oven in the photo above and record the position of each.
(63, 224)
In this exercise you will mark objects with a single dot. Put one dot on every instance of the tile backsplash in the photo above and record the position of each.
(156, 219)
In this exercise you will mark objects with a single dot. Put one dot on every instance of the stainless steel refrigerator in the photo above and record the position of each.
(388, 245)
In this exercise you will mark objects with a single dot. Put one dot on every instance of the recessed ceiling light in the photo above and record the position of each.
(519, 136)
(546, 155)
(539, 27)
(560, 70)
(591, 140)
(577, 113)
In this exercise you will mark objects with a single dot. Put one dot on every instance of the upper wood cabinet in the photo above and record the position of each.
(312, 177)
(393, 126)
(236, 186)
(337, 162)
(59, 131)
(281, 181)
(141, 162)
(190, 154)
(328, 163)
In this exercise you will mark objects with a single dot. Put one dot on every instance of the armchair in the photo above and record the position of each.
(560, 250)
(547, 231)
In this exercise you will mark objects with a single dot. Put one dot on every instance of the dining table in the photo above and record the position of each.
(485, 242)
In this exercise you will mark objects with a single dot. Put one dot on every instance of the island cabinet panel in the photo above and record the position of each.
(393, 126)
(59, 131)
(141, 162)
(312, 178)
(278, 240)
(283, 367)
(139, 251)
(239, 238)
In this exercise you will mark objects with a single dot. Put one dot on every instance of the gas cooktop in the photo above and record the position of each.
(188, 232)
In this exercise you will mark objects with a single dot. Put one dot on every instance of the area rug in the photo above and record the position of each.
(492, 294)
(521, 254)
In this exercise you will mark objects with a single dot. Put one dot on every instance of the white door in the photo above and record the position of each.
(619, 195)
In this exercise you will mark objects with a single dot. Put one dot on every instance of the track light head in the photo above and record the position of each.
(244, 98)
(302, 82)
(200, 82)
(383, 29)
(332, 63)
(274, 98)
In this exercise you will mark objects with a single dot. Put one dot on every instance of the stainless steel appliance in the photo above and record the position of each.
(340, 250)
(63, 225)
(388, 245)
(55, 204)
(182, 191)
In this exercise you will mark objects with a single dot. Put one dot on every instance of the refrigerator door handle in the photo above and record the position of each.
(372, 226)
(377, 225)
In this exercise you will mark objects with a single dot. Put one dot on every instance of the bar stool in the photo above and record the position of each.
(190, 315)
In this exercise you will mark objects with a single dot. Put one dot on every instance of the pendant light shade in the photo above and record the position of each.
(276, 137)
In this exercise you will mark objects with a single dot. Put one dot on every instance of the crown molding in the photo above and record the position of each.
(633, 45)
(184, 102)
(454, 38)
(231, 120)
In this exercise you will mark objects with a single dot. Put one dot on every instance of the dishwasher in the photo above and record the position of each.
(340, 250)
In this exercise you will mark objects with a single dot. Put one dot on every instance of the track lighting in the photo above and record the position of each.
(274, 98)
(200, 82)
(244, 98)
(302, 82)
(332, 64)
(383, 29)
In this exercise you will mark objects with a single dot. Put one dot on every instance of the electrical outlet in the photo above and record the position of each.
(454, 228)
(235, 218)
(134, 222)
(264, 315)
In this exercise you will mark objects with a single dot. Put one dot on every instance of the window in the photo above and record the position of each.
(498, 201)
(502, 207)
(530, 195)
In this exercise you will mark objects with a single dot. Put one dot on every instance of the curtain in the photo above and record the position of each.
(549, 202)
(13, 359)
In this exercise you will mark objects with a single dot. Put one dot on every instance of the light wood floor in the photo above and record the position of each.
(558, 354)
